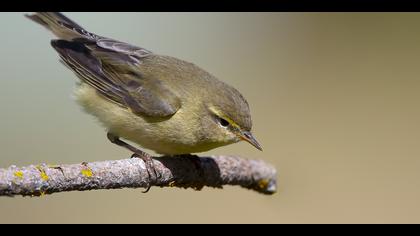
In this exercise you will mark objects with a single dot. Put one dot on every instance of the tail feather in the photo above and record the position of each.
(57, 23)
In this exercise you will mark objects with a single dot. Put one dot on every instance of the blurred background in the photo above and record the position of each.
(334, 98)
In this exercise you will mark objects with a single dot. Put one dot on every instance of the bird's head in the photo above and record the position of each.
(229, 118)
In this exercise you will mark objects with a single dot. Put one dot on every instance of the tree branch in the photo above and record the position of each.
(131, 173)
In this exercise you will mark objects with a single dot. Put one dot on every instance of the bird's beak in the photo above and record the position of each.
(247, 136)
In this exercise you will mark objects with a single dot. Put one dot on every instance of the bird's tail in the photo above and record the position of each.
(57, 23)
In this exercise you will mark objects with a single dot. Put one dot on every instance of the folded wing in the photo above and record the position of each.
(109, 66)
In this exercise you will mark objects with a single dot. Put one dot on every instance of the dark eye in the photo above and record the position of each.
(223, 122)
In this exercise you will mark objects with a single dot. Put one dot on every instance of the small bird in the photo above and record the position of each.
(161, 103)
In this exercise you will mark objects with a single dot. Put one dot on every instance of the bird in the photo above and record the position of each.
(158, 102)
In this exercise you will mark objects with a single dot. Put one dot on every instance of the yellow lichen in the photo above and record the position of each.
(87, 173)
(262, 184)
(43, 175)
(19, 174)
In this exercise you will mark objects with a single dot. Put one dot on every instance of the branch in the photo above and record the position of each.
(131, 173)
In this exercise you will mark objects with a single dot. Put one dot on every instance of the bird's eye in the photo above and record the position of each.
(223, 122)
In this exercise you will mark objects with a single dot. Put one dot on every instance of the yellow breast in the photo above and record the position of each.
(164, 136)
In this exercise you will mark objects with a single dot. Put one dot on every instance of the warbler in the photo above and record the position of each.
(162, 103)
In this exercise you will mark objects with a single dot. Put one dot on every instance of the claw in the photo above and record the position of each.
(138, 154)
(149, 168)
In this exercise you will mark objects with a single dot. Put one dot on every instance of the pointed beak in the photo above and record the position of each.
(247, 136)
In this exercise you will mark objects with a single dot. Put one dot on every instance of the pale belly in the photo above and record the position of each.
(162, 136)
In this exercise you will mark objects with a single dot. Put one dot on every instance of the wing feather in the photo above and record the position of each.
(109, 66)
(143, 95)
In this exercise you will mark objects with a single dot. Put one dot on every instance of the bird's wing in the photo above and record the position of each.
(109, 66)
(116, 78)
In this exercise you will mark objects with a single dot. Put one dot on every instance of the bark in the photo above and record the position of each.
(186, 172)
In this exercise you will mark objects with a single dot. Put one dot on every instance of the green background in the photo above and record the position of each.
(334, 99)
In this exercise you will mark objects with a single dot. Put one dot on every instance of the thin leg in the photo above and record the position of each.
(147, 158)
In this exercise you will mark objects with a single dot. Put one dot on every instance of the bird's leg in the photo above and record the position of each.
(147, 158)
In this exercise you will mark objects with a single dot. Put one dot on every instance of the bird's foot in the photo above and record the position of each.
(150, 168)
(147, 158)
